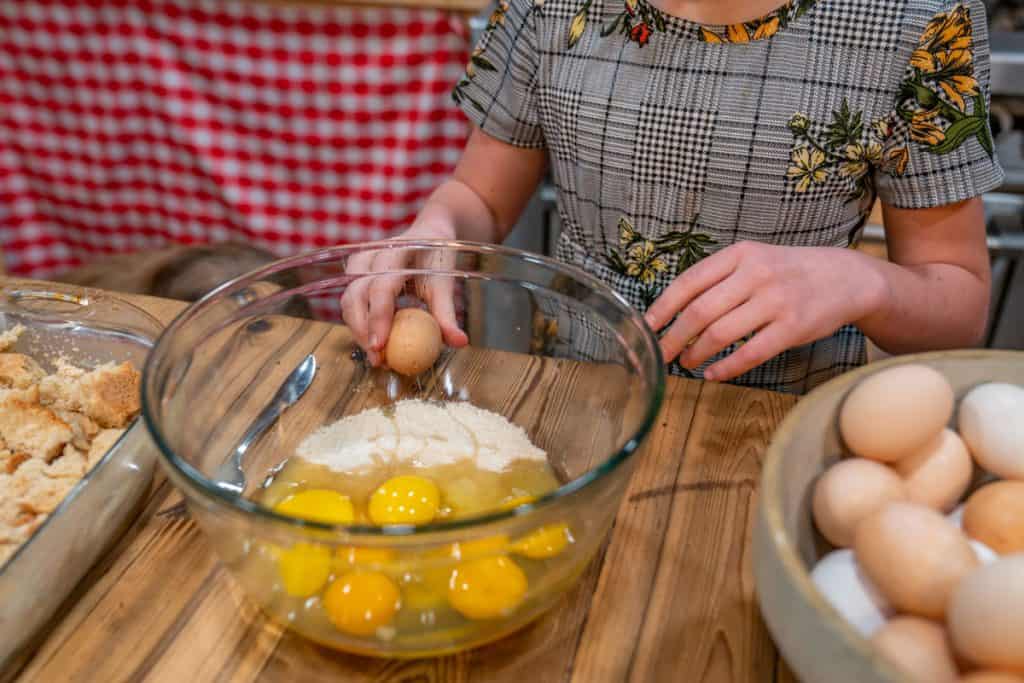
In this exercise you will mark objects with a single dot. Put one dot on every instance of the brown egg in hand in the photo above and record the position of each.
(414, 343)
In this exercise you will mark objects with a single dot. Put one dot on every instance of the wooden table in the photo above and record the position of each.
(671, 598)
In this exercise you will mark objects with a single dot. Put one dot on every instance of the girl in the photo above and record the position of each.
(716, 160)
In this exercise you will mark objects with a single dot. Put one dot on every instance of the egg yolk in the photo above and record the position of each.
(481, 547)
(318, 505)
(513, 503)
(349, 556)
(304, 569)
(359, 603)
(544, 543)
(407, 499)
(486, 588)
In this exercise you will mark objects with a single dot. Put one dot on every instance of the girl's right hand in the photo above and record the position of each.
(491, 184)
(368, 303)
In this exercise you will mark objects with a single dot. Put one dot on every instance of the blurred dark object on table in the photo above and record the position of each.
(184, 273)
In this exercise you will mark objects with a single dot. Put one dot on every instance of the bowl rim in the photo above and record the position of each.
(771, 506)
(240, 505)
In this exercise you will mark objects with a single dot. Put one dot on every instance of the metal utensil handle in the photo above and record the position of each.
(293, 387)
(262, 422)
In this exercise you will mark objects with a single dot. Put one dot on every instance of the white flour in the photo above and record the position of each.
(421, 433)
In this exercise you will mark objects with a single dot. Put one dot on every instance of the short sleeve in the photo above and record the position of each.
(940, 150)
(498, 89)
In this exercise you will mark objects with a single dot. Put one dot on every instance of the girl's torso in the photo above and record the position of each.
(669, 140)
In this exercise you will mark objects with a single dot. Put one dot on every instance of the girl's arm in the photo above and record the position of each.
(932, 295)
(483, 199)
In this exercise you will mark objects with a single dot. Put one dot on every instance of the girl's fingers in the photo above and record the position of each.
(702, 313)
(439, 293)
(383, 291)
(766, 344)
(695, 280)
(729, 329)
(355, 298)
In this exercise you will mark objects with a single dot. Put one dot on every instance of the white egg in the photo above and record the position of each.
(850, 592)
(985, 554)
(991, 424)
(957, 517)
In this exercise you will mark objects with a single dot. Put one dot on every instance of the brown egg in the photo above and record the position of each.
(938, 474)
(915, 556)
(986, 616)
(991, 677)
(848, 492)
(919, 648)
(994, 515)
(895, 412)
(414, 342)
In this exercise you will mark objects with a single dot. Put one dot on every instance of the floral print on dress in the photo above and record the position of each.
(844, 147)
(940, 99)
(639, 20)
(477, 60)
(643, 259)
(759, 29)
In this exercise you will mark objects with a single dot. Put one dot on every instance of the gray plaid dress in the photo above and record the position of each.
(669, 140)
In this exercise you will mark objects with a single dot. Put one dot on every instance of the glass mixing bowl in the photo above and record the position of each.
(551, 349)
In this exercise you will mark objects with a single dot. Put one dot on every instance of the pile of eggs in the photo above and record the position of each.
(935, 582)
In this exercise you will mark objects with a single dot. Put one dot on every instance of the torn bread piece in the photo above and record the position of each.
(82, 426)
(33, 429)
(59, 389)
(16, 526)
(8, 338)
(23, 478)
(11, 461)
(18, 371)
(72, 464)
(26, 395)
(45, 494)
(109, 394)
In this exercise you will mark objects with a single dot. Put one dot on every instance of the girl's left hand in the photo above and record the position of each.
(786, 296)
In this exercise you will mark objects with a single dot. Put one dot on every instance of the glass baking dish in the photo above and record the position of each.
(88, 328)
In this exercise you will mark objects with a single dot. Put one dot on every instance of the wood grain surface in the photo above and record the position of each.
(669, 597)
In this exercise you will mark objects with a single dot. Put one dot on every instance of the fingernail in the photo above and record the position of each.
(374, 342)
(709, 375)
(649, 320)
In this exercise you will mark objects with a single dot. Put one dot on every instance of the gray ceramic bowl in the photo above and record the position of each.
(816, 642)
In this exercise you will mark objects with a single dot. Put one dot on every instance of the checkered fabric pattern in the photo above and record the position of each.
(693, 136)
(128, 125)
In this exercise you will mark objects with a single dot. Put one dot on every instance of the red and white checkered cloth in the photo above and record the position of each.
(129, 125)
